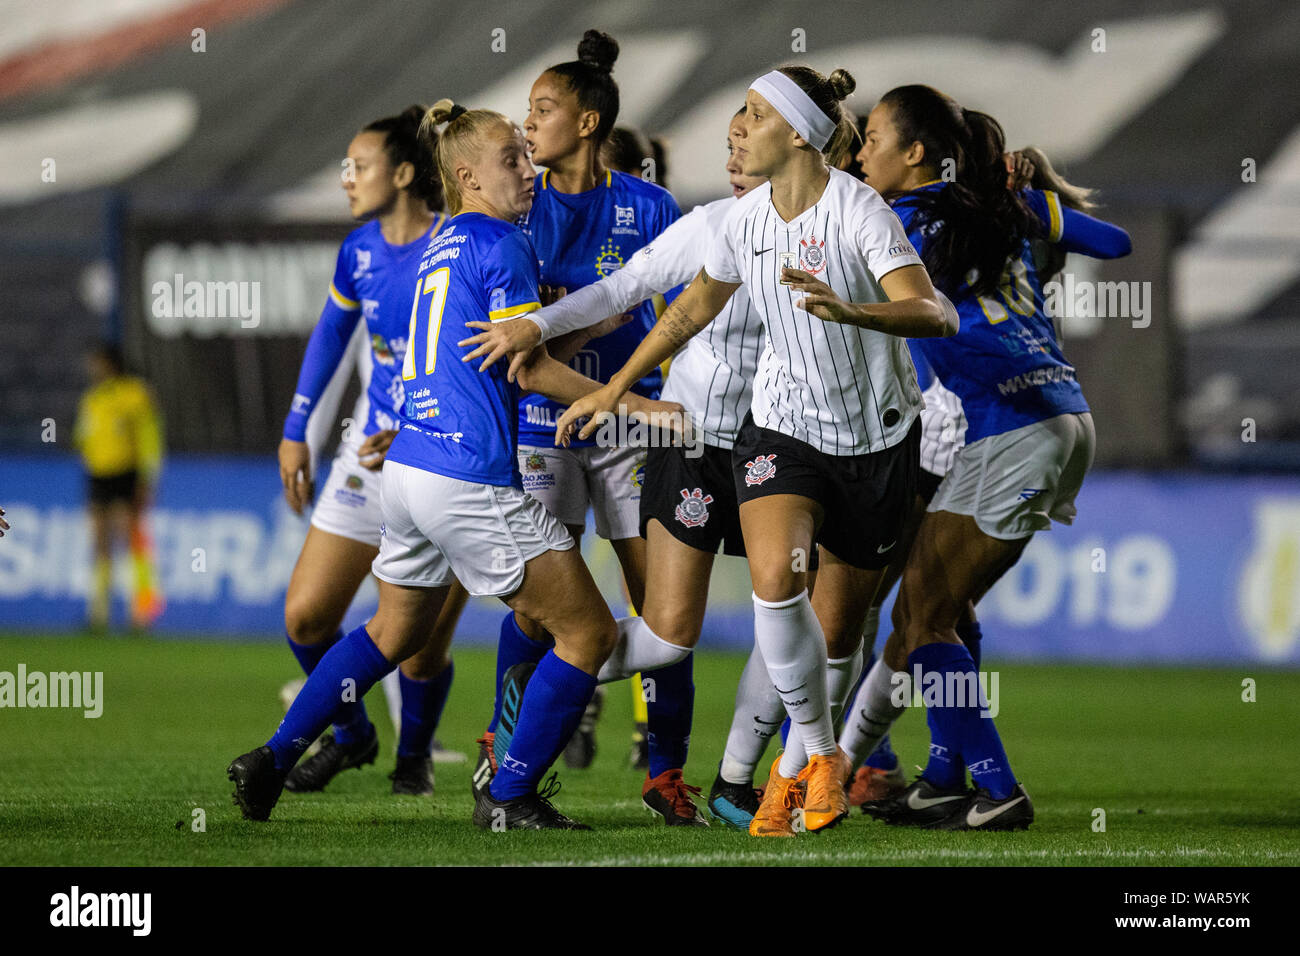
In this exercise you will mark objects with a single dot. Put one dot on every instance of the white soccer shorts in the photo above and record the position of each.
(437, 529)
(1021, 481)
(567, 480)
(349, 503)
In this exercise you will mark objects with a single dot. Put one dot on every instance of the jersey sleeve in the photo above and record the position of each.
(1076, 231)
(343, 292)
(883, 241)
(510, 277)
(671, 259)
(720, 261)
(325, 349)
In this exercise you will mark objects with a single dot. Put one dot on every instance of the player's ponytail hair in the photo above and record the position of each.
(828, 94)
(590, 77)
(982, 222)
(1046, 177)
(402, 145)
(1049, 256)
(459, 138)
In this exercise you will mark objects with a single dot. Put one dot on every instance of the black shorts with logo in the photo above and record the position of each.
(110, 488)
(693, 498)
(865, 498)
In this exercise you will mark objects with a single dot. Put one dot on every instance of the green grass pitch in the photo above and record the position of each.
(1185, 770)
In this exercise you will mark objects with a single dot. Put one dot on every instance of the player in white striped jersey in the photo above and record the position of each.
(829, 450)
(688, 504)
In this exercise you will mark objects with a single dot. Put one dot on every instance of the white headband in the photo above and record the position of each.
(796, 107)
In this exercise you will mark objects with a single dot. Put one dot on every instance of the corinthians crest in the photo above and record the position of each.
(812, 254)
(693, 511)
(760, 469)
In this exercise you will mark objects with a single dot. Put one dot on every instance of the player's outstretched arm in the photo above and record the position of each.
(915, 310)
(689, 312)
(547, 376)
(586, 314)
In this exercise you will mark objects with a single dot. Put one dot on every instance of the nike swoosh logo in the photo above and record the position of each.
(791, 690)
(975, 818)
(763, 252)
(886, 547)
(770, 723)
(918, 802)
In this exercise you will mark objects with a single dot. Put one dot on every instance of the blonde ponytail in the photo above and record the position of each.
(460, 135)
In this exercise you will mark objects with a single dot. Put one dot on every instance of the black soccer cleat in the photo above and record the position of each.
(314, 773)
(982, 812)
(413, 776)
(580, 751)
(922, 805)
(513, 684)
(257, 783)
(733, 803)
(533, 811)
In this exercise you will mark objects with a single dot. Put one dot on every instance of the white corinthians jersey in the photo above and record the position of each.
(712, 375)
(842, 389)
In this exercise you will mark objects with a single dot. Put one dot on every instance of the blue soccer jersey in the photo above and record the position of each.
(372, 281)
(1004, 363)
(458, 421)
(580, 238)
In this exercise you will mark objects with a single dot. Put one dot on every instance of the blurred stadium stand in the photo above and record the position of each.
(227, 160)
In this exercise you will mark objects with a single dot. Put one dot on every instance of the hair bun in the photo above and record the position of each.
(599, 50)
(842, 84)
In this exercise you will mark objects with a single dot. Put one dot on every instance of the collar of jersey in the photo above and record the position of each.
(609, 182)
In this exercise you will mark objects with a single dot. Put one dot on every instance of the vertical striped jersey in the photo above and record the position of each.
(842, 389)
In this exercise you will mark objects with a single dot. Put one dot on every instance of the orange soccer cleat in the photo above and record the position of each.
(825, 802)
(781, 797)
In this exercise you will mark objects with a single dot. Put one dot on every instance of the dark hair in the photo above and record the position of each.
(625, 149)
(659, 151)
(111, 354)
(982, 222)
(402, 144)
(828, 94)
(590, 78)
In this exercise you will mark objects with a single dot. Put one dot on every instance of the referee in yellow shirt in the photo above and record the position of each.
(119, 436)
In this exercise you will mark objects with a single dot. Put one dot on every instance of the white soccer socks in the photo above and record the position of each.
(841, 672)
(757, 719)
(790, 638)
(873, 712)
(638, 649)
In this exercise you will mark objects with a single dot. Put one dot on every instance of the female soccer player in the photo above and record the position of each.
(392, 188)
(586, 221)
(1029, 434)
(943, 433)
(828, 451)
(452, 504)
(688, 506)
